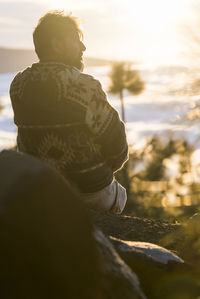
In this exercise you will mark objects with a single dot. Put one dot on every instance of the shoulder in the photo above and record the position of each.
(90, 80)
(15, 81)
(93, 85)
(20, 76)
(18, 81)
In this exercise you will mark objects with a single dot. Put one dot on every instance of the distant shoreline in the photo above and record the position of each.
(14, 60)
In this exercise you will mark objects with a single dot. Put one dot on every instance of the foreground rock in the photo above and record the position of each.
(153, 264)
(32, 194)
(134, 228)
(162, 273)
(118, 281)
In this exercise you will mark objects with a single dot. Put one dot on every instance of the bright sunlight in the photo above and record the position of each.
(152, 25)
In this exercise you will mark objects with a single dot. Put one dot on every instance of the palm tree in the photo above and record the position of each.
(1, 106)
(122, 77)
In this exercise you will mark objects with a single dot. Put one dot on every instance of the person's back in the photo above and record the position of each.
(63, 115)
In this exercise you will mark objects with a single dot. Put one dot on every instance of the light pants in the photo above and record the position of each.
(112, 198)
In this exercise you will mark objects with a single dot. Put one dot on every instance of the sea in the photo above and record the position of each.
(160, 110)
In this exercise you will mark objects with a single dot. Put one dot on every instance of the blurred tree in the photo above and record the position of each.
(151, 183)
(123, 76)
(185, 179)
(1, 106)
(155, 169)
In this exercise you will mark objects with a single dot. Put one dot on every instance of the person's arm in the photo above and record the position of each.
(104, 122)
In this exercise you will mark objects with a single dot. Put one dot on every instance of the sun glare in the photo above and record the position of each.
(157, 15)
(71, 5)
(153, 26)
(158, 23)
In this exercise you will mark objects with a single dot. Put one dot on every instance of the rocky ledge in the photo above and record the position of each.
(147, 258)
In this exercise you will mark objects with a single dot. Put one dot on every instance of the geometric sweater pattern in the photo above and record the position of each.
(64, 118)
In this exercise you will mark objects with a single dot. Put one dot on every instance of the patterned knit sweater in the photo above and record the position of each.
(64, 118)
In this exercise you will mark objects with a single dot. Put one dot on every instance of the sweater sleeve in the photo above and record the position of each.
(109, 131)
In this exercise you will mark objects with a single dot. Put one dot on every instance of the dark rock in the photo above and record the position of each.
(46, 235)
(133, 228)
(119, 282)
(147, 251)
(153, 264)
(173, 279)
(162, 274)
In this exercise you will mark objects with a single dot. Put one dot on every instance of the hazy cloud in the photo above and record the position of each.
(17, 21)
(9, 21)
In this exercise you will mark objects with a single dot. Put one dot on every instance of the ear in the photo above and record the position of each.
(56, 45)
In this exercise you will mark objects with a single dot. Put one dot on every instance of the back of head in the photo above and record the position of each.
(54, 24)
(47, 248)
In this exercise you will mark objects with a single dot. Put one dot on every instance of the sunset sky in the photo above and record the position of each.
(148, 31)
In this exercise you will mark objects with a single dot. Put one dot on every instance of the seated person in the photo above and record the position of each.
(64, 118)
